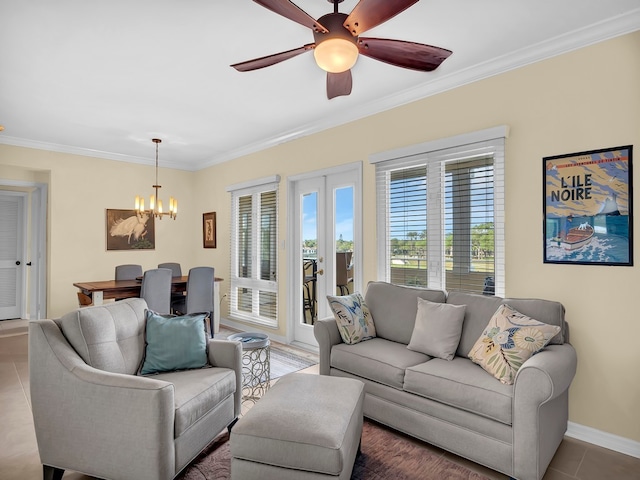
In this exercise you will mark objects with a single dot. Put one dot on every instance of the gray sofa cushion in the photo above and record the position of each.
(394, 308)
(108, 337)
(377, 359)
(462, 384)
(480, 309)
(197, 392)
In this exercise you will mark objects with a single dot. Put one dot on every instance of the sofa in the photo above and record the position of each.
(455, 404)
(93, 413)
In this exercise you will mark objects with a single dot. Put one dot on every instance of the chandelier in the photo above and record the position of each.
(155, 204)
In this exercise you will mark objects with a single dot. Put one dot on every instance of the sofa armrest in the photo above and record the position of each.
(228, 354)
(546, 374)
(81, 412)
(541, 408)
(327, 334)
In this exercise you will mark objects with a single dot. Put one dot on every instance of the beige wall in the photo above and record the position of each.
(583, 100)
(80, 190)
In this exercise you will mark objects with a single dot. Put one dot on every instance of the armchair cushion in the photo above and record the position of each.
(198, 392)
(174, 343)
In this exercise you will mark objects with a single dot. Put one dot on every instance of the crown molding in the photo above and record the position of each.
(595, 33)
(87, 152)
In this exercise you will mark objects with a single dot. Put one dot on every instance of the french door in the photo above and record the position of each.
(325, 254)
(12, 254)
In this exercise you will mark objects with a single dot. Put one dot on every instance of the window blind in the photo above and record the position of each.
(253, 295)
(441, 218)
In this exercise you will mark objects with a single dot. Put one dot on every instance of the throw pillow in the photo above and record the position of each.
(353, 317)
(174, 343)
(437, 329)
(508, 341)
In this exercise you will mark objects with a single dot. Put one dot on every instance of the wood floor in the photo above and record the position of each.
(19, 460)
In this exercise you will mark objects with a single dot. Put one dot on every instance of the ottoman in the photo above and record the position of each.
(305, 427)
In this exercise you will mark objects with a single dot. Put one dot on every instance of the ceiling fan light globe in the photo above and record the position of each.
(336, 55)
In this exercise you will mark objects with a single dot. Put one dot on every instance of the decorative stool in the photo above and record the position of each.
(306, 426)
(256, 367)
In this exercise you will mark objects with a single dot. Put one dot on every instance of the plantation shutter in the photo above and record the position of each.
(253, 294)
(441, 214)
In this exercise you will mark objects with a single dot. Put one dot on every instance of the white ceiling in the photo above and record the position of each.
(102, 78)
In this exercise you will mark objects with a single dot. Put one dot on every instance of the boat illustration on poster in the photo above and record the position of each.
(577, 237)
(587, 208)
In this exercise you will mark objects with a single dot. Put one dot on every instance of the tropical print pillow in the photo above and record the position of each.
(353, 317)
(508, 341)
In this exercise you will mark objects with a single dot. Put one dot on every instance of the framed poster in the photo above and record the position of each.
(209, 230)
(588, 202)
(130, 230)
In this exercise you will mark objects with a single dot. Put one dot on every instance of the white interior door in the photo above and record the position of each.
(12, 253)
(326, 225)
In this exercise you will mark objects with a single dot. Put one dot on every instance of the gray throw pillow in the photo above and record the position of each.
(437, 329)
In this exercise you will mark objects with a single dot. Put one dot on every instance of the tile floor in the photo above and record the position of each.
(575, 460)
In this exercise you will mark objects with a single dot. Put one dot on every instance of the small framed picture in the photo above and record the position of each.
(209, 230)
(588, 207)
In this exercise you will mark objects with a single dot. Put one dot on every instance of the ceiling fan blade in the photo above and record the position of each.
(370, 13)
(338, 84)
(415, 56)
(291, 11)
(269, 60)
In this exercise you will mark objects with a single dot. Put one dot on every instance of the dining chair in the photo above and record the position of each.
(176, 269)
(156, 290)
(128, 272)
(199, 297)
(309, 278)
(343, 277)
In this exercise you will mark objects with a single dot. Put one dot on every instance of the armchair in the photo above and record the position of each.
(94, 415)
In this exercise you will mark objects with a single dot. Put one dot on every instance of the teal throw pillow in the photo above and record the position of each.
(174, 343)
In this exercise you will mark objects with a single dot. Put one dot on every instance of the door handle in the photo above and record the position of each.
(28, 264)
(320, 272)
(17, 262)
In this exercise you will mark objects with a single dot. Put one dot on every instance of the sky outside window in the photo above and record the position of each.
(344, 215)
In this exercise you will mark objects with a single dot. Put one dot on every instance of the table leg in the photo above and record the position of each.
(98, 298)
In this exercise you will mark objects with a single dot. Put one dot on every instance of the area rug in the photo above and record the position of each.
(283, 362)
(386, 454)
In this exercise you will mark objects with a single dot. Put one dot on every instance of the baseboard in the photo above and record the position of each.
(603, 439)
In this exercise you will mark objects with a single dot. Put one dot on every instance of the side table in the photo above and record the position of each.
(256, 368)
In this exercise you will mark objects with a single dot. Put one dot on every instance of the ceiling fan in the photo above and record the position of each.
(337, 41)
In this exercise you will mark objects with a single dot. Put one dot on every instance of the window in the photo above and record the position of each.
(254, 293)
(441, 214)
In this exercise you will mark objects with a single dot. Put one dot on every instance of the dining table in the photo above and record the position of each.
(101, 290)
